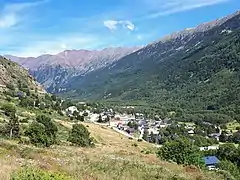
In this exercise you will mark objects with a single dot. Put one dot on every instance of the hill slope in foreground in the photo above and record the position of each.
(114, 157)
(12, 76)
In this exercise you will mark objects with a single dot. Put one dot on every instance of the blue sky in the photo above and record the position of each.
(35, 27)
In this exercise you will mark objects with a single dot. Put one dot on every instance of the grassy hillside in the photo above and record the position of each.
(114, 157)
(12, 76)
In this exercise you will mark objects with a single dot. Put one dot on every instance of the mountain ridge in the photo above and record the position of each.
(53, 70)
(178, 72)
(143, 60)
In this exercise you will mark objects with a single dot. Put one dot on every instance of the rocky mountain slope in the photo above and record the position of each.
(194, 68)
(11, 75)
(53, 71)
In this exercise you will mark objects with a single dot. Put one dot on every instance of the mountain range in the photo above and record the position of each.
(53, 71)
(196, 69)
(161, 62)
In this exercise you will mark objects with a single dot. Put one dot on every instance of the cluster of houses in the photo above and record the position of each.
(143, 125)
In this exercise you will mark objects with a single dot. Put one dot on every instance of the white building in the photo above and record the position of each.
(153, 130)
(207, 148)
(70, 110)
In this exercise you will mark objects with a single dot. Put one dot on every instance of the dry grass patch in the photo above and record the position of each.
(114, 157)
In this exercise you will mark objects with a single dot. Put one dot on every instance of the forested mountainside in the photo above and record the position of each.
(54, 71)
(194, 70)
(13, 76)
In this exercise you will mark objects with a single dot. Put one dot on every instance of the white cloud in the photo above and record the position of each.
(110, 24)
(158, 8)
(11, 13)
(55, 45)
(113, 25)
(129, 25)
(8, 21)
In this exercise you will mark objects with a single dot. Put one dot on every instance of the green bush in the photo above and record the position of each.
(36, 133)
(135, 144)
(9, 109)
(181, 151)
(27, 102)
(80, 118)
(230, 167)
(3, 129)
(37, 174)
(10, 86)
(42, 132)
(80, 136)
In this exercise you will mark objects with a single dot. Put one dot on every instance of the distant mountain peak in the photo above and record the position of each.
(53, 70)
(200, 28)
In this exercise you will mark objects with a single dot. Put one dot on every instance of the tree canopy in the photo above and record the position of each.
(181, 151)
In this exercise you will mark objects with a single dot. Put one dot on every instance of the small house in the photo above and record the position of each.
(211, 162)
(191, 132)
(207, 148)
(70, 110)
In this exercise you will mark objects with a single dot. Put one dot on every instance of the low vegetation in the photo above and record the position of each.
(42, 132)
(80, 136)
(113, 157)
(181, 151)
(37, 174)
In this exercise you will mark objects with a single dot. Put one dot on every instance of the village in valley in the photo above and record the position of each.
(136, 126)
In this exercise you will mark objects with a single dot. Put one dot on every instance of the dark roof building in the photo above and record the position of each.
(211, 162)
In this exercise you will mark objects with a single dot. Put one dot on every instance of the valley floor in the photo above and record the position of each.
(114, 157)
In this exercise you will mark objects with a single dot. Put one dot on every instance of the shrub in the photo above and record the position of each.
(9, 99)
(135, 144)
(181, 151)
(80, 118)
(42, 132)
(3, 130)
(230, 167)
(9, 109)
(37, 174)
(36, 133)
(10, 93)
(80, 136)
(10, 86)
(27, 102)
(50, 127)
(60, 113)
